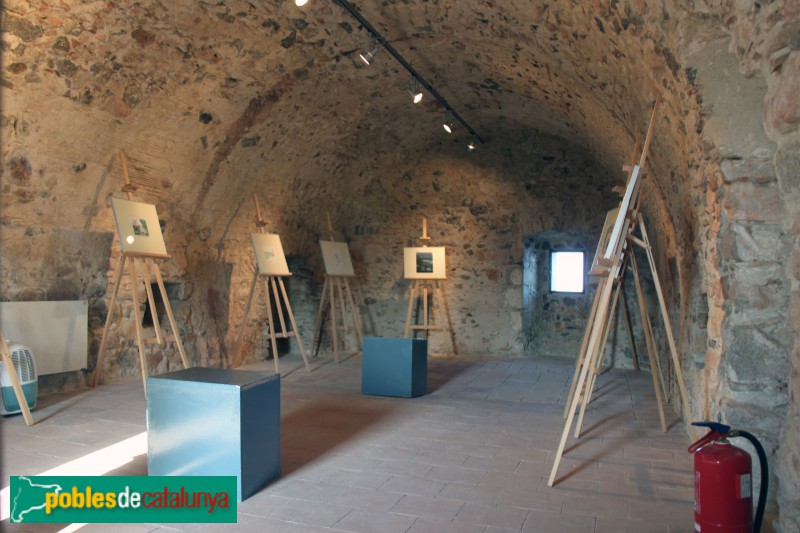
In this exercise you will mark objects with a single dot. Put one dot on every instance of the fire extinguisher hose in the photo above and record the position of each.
(762, 492)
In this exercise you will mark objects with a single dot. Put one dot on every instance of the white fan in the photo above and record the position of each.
(26, 372)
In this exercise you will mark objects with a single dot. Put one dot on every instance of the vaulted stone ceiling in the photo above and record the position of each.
(220, 99)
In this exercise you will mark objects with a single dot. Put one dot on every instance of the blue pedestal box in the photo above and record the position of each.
(394, 367)
(215, 422)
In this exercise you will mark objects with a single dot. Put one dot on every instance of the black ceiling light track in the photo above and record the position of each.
(381, 41)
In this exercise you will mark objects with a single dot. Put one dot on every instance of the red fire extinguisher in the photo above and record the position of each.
(723, 500)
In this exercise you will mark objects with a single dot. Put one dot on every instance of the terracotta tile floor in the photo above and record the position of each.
(473, 455)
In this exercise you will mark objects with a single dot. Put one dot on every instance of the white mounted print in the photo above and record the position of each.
(269, 254)
(138, 228)
(336, 257)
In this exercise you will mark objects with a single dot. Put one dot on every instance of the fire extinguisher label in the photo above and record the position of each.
(745, 486)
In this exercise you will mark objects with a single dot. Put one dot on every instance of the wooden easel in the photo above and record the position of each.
(274, 282)
(15, 384)
(589, 359)
(333, 286)
(148, 265)
(421, 288)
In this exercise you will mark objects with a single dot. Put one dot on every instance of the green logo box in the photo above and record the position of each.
(122, 499)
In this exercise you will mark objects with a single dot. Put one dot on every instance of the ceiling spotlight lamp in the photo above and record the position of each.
(471, 145)
(300, 3)
(449, 122)
(415, 91)
(380, 42)
(370, 49)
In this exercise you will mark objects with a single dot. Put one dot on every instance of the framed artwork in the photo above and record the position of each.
(138, 228)
(425, 262)
(602, 244)
(269, 254)
(336, 256)
(616, 232)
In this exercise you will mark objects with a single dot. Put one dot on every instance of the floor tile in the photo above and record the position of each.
(472, 456)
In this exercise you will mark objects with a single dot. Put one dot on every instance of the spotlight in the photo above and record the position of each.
(415, 91)
(449, 122)
(300, 3)
(471, 145)
(370, 49)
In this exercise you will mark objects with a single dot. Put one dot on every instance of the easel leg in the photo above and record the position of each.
(582, 353)
(238, 358)
(657, 358)
(340, 291)
(354, 313)
(148, 289)
(294, 325)
(650, 334)
(334, 323)
(15, 384)
(368, 325)
(655, 367)
(425, 318)
(138, 323)
(278, 305)
(444, 311)
(111, 309)
(410, 307)
(318, 321)
(668, 327)
(596, 331)
(170, 316)
(597, 362)
(271, 326)
(629, 329)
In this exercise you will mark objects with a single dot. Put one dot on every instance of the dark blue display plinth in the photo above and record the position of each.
(215, 422)
(394, 367)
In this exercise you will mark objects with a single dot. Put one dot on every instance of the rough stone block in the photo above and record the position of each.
(750, 202)
(774, 396)
(761, 273)
(782, 105)
(763, 422)
(787, 165)
(753, 357)
(754, 306)
(752, 170)
(758, 242)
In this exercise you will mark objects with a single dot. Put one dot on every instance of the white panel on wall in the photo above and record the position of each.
(56, 332)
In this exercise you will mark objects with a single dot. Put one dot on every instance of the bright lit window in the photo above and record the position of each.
(566, 272)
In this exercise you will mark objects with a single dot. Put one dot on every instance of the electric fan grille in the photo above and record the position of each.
(23, 362)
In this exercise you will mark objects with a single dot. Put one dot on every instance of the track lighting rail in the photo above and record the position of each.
(379, 39)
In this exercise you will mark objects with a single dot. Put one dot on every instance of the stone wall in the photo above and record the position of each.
(553, 323)
(757, 250)
(480, 209)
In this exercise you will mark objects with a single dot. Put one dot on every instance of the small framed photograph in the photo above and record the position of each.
(138, 228)
(427, 262)
(336, 257)
(269, 254)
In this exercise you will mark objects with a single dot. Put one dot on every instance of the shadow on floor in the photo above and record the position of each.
(443, 371)
(318, 427)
